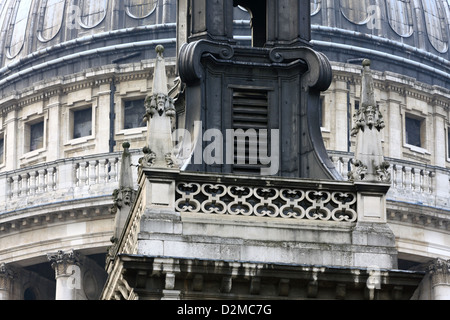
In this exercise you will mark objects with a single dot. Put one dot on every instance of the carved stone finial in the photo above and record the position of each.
(366, 63)
(369, 163)
(160, 110)
(159, 49)
(124, 195)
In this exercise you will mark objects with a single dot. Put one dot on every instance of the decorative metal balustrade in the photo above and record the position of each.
(279, 202)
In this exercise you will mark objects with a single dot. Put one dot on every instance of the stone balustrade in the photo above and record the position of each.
(411, 182)
(97, 175)
(59, 181)
(309, 201)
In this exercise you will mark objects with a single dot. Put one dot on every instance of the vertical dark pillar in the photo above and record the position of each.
(211, 20)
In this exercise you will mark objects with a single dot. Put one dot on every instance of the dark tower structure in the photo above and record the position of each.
(271, 86)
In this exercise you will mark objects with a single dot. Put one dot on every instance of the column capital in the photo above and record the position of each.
(61, 260)
(7, 274)
(439, 269)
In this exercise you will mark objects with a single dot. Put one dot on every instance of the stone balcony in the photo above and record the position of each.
(97, 175)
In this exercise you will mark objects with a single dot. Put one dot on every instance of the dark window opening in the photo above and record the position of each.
(321, 111)
(413, 131)
(82, 123)
(29, 294)
(2, 150)
(448, 142)
(134, 114)
(37, 136)
(257, 10)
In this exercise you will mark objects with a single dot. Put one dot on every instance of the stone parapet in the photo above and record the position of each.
(245, 218)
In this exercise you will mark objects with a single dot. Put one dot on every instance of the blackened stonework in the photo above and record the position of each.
(285, 66)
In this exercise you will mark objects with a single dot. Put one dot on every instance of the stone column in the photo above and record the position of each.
(340, 127)
(439, 270)
(12, 142)
(102, 110)
(394, 131)
(6, 277)
(54, 121)
(67, 273)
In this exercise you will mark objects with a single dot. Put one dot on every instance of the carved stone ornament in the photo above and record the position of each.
(369, 163)
(160, 111)
(383, 172)
(61, 260)
(6, 275)
(125, 194)
(148, 160)
(359, 170)
(440, 271)
(159, 103)
(122, 197)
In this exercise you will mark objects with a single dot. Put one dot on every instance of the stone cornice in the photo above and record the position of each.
(418, 216)
(314, 280)
(24, 222)
(388, 81)
(88, 79)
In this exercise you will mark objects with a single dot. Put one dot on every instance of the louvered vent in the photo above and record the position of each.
(250, 113)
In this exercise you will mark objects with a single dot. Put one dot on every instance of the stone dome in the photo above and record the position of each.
(61, 37)
(403, 36)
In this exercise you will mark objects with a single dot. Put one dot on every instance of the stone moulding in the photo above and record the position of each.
(198, 278)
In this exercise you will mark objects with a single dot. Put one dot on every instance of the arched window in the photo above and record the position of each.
(20, 21)
(30, 294)
(258, 20)
(436, 25)
(399, 16)
(355, 11)
(140, 9)
(52, 20)
(315, 6)
(93, 12)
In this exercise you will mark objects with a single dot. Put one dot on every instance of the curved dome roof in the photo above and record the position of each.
(41, 32)
(57, 35)
(404, 36)
(423, 24)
